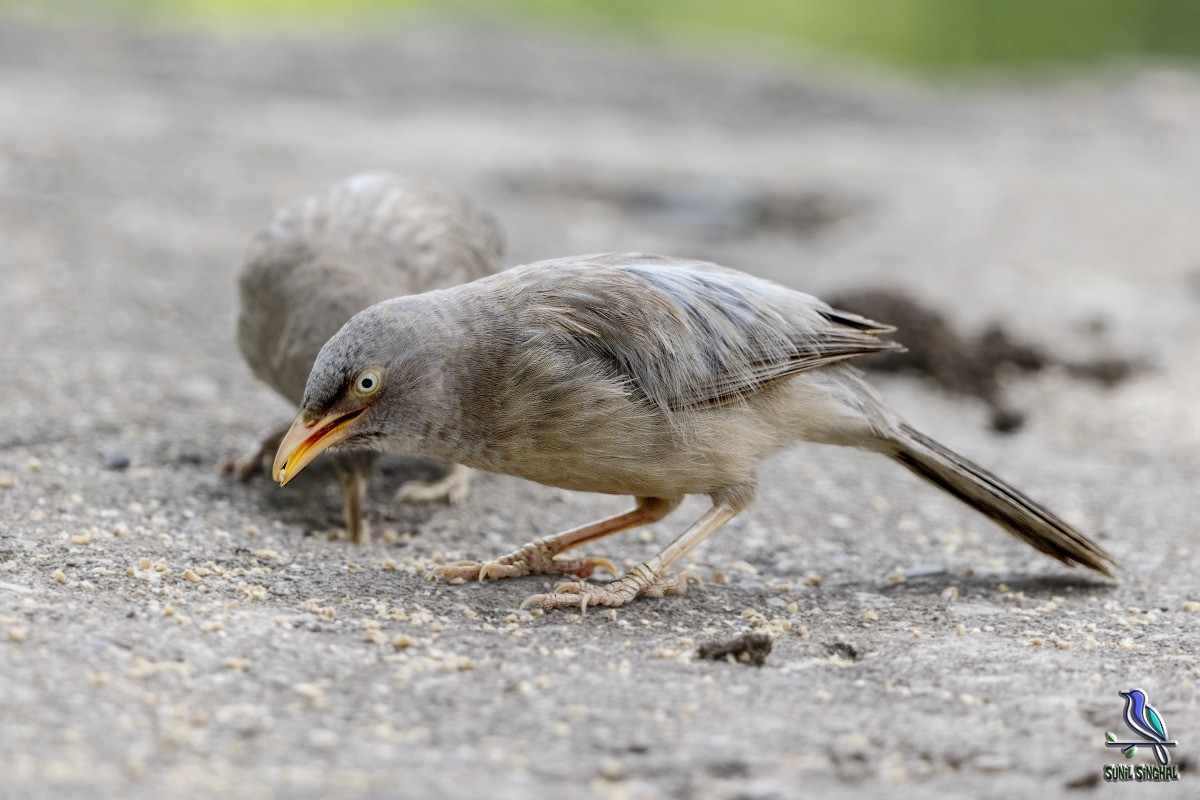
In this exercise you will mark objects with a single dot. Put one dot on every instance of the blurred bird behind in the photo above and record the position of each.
(324, 258)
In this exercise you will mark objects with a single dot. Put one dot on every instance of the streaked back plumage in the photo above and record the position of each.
(687, 334)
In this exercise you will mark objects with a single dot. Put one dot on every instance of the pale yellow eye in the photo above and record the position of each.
(367, 382)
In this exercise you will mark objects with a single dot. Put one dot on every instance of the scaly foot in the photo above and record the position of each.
(452, 488)
(535, 558)
(638, 583)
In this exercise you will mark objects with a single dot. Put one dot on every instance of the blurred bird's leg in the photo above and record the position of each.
(538, 556)
(243, 467)
(452, 488)
(648, 579)
(354, 489)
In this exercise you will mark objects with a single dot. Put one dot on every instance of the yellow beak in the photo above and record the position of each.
(307, 439)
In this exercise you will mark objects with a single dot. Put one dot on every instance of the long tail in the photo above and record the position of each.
(983, 491)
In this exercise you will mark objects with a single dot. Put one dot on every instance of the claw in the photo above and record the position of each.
(568, 588)
(606, 565)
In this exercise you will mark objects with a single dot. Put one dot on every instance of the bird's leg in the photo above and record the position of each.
(452, 488)
(539, 555)
(244, 466)
(354, 490)
(645, 579)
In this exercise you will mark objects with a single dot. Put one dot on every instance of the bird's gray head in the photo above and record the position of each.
(368, 384)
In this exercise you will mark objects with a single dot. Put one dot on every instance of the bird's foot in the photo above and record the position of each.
(535, 558)
(452, 488)
(259, 459)
(243, 467)
(640, 582)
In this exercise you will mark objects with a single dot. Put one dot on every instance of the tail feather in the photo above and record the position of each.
(1026, 519)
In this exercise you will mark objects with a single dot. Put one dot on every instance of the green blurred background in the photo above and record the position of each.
(932, 35)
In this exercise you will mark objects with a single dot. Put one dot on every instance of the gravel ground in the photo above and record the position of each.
(166, 632)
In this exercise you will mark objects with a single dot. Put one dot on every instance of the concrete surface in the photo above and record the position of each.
(165, 632)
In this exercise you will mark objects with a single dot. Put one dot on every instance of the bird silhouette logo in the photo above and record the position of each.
(1144, 720)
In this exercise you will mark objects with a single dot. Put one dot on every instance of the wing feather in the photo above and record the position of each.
(687, 334)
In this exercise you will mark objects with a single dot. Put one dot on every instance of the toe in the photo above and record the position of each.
(466, 570)
(498, 569)
(584, 567)
(670, 585)
(246, 469)
(556, 599)
(576, 595)
(458, 494)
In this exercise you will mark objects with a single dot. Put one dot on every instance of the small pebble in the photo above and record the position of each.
(115, 460)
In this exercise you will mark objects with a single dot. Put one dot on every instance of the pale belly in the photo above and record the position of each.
(616, 447)
(712, 449)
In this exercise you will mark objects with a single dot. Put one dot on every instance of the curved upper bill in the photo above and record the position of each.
(308, 438)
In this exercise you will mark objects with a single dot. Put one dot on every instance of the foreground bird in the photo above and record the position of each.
(326, 257)
(626, 374)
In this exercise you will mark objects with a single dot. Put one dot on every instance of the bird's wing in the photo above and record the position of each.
(691, 334)
(1156, 722)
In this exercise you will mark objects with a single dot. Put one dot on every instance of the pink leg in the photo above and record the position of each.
(538, 556)
(645, 579)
